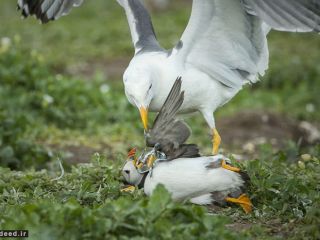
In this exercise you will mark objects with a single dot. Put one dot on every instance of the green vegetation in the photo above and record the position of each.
(57, 92)
(87, 203)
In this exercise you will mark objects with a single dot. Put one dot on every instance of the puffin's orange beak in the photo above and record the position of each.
(144, 117)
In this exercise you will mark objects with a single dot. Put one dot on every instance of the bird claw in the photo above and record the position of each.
(243, 201)
(129, 189)
(228, 167)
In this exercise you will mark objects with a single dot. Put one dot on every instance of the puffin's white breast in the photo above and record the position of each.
(186, 178)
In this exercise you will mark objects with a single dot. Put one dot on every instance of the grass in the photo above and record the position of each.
(284, 193)
(45, 107)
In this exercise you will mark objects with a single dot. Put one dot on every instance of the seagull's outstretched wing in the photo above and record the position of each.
(47, 10)
(226, 39)
(170, 133)
(287, 15)
(141, 28)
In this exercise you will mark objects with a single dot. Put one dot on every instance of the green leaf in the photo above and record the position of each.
(7, 152)
(159, 200)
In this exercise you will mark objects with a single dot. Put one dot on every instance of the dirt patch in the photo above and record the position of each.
(75, 153)
(239, 227)
(83, 154)
(250, 128)
(111, 68)
(79, 154)
(274, 228)
(241, 132)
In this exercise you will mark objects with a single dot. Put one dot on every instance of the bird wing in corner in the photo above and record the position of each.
(47, 10)
(169, 132)
(226, 39)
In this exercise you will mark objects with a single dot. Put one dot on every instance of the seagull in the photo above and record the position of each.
(179, 167)
(223, 48)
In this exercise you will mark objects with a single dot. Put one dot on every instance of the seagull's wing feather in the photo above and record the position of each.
(47, 10)
(166, 127)
(226, 39)
(170, 133)
(224, 42)
(287, 15)
(141, 28)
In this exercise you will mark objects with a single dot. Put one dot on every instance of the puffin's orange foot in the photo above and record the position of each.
(129, 189)
(243, 201)
(228, 167)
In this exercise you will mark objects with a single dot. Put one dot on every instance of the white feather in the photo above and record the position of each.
(189, 178)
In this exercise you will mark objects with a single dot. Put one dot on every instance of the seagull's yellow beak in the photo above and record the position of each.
(144, 117)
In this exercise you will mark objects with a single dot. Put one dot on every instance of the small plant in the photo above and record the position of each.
(16, 151)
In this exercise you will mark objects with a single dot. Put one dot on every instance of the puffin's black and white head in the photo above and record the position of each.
(131, 174)
(129, 170)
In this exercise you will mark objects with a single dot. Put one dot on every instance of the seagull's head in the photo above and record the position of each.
(139, 89)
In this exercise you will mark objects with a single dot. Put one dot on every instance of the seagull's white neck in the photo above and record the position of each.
(164, 75)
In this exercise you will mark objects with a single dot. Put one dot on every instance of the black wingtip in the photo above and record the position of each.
(179, 80)
(33, 8)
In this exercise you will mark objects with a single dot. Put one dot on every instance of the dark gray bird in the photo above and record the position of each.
(168, 133)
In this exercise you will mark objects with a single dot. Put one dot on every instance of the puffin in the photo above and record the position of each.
(179, 167)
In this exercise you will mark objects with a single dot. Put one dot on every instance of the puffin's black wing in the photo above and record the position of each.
(170, 133)
(47, 10)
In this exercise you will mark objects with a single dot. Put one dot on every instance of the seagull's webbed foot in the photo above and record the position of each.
(229, 167)
(216, 140)
(243, 201)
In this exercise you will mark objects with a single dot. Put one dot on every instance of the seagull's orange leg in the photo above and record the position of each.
(216, 140)
(243, 201)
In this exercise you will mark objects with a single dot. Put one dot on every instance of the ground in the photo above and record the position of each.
(61, 97)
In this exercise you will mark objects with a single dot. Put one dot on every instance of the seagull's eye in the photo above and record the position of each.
(127, 171)
(148, 92)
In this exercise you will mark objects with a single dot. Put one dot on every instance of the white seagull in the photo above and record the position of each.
(223, 47)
